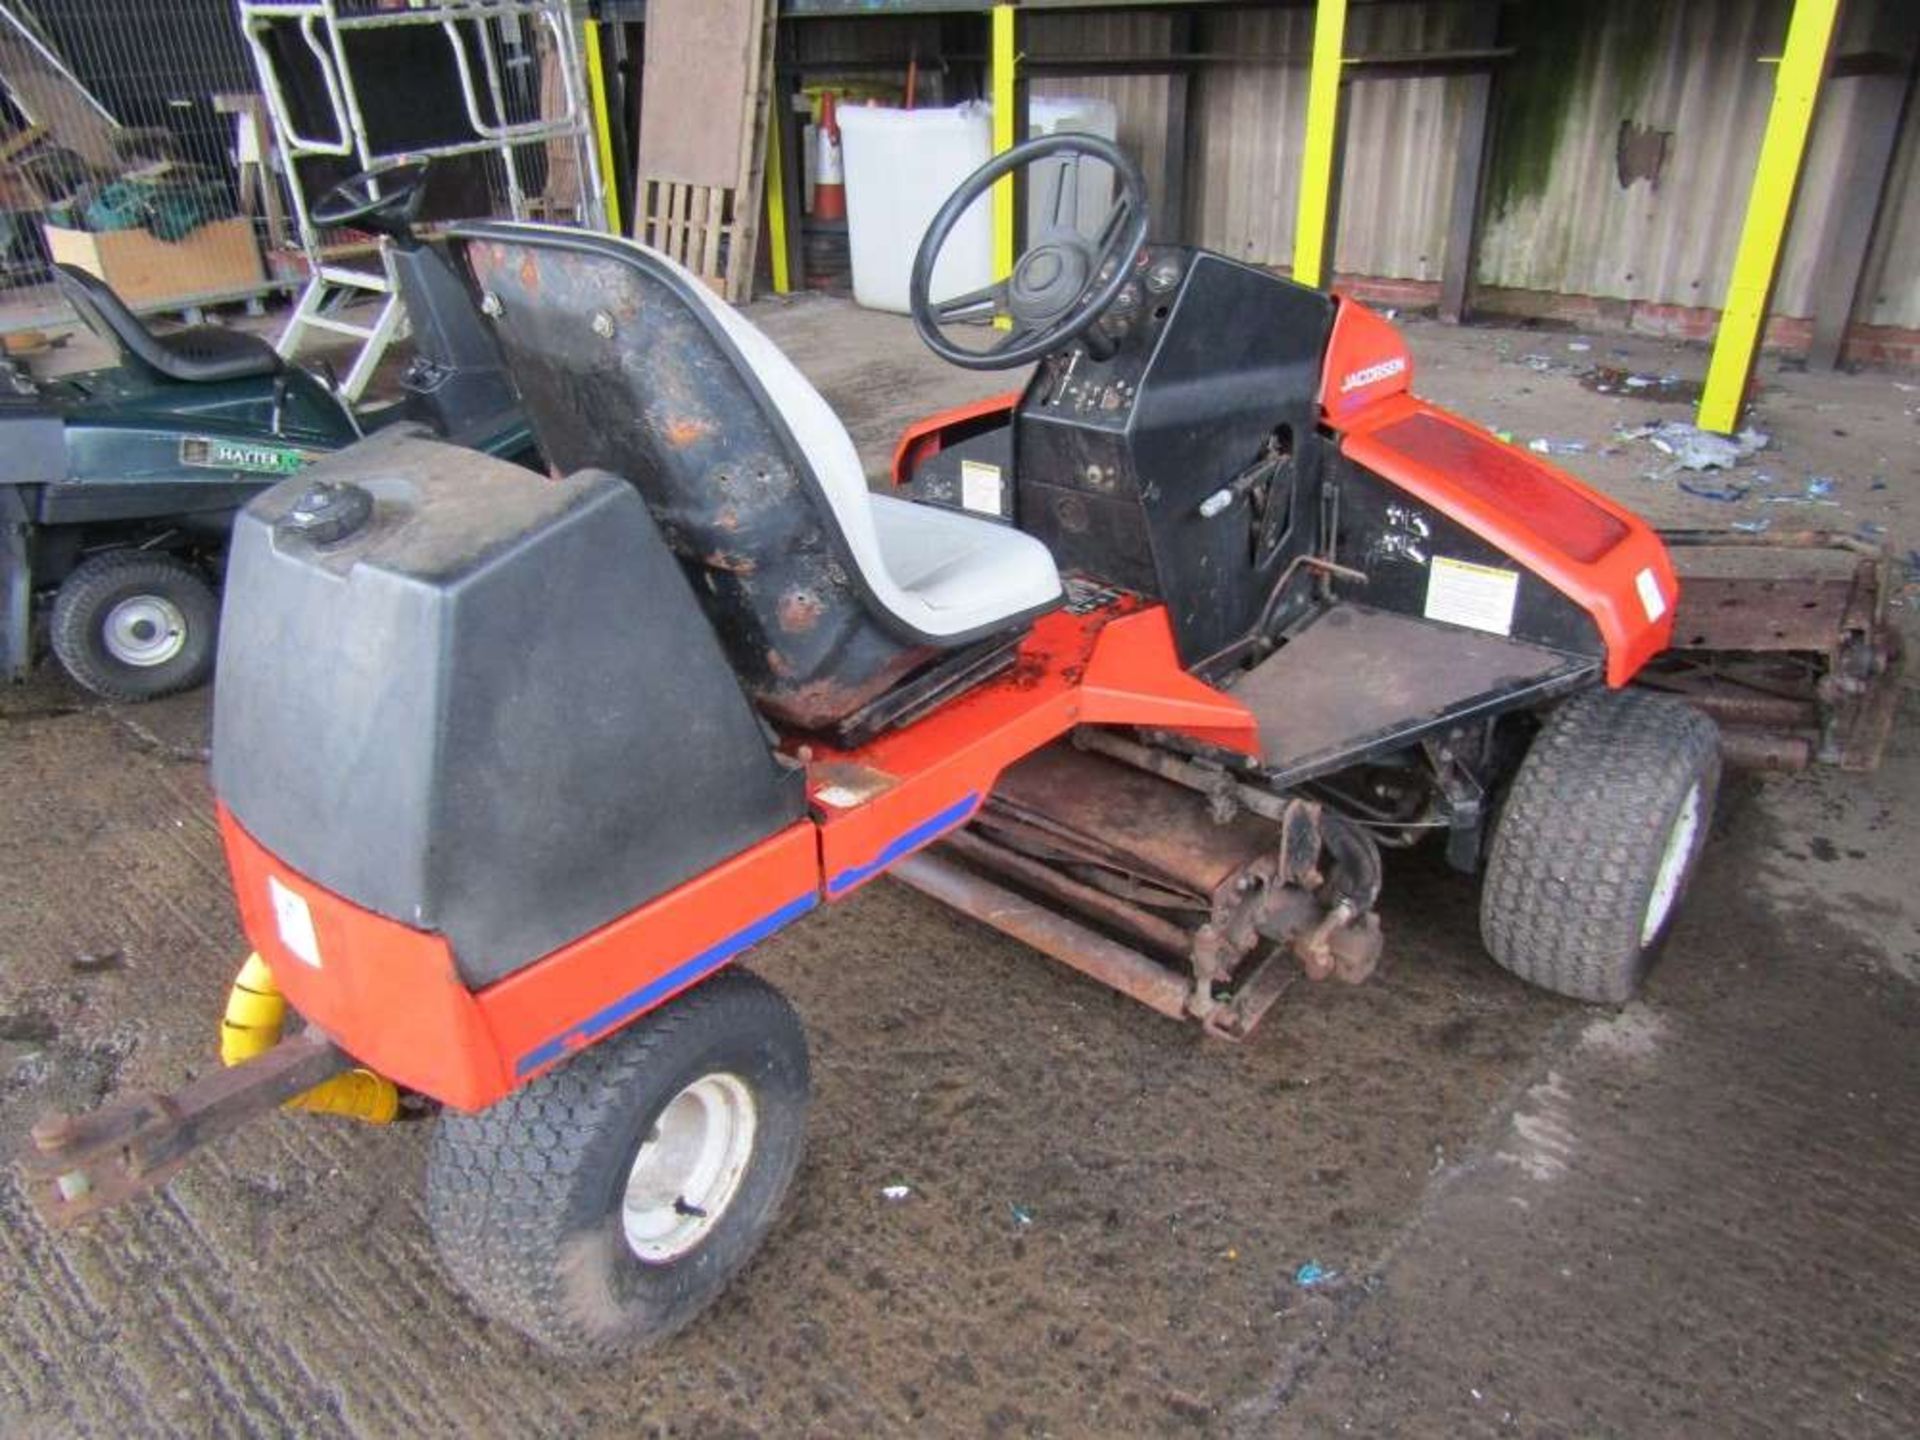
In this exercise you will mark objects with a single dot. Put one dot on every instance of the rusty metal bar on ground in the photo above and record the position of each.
(1067, 941)
(77, 1166)
(1143, 925)
(1796, 668)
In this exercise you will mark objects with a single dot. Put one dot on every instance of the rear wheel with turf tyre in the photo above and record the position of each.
(1597, 840)
(135, 625)
(602, 1206)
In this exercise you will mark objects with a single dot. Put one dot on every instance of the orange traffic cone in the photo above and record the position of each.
(829, 177)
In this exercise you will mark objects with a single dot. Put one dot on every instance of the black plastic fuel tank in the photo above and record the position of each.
(479, 701)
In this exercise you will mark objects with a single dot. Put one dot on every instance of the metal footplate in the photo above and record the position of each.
(79, 1165)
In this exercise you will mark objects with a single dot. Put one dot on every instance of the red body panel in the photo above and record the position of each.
(585, 990)
(1367, 361)
(1590, 549)
(925, 437)
(1114, 666)
(388, 993)
(392, 997)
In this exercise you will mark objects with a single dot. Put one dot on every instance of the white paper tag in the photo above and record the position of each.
(980, 487)
(1479, 597)
(1651, 600)
(295, 922)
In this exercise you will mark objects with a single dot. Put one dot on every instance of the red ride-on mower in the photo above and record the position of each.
(1146, 667)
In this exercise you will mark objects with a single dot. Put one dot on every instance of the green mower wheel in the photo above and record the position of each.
(135, 625)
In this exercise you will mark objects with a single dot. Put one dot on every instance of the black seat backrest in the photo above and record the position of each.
(204, 353)
(622, 367)
(99, 309)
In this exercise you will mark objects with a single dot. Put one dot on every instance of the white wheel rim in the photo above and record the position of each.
(145, 630)
(1673, 866)
(689, 1168)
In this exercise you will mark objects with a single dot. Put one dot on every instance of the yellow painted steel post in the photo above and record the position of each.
(1769, 206)
(1003, 61)
(1311, 263)
(777, 200)
(602, 123)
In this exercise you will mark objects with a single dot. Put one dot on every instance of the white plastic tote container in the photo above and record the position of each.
(900, 167)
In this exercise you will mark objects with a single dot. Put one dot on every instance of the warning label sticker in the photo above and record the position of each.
(1479, 597)
(980, 487)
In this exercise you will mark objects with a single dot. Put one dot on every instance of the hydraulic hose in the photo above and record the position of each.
(255, 1015)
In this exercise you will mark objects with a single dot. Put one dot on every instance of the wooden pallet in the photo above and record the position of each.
(696, 205)
(691, 224)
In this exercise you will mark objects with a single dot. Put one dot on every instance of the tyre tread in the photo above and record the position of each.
(70, 629)
(1564, 896)
(502, 1181)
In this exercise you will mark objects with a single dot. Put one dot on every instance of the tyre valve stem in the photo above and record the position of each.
(682, 1207)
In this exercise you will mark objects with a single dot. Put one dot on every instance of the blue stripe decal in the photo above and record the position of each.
(926, 830)
(628, 1006)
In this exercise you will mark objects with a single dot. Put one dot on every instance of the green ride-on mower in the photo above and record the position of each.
(118, 487)
(1147, 666)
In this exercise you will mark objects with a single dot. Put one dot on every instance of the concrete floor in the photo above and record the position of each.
(1692, 1216)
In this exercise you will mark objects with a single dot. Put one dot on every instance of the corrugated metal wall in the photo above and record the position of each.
(1561, 213)
(1564, 213)
(1890, 290)
(1400, 141)
(1594, 87)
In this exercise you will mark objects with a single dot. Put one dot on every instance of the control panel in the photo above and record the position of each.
(1098, 378)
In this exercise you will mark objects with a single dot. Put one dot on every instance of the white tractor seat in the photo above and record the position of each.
(941, 573)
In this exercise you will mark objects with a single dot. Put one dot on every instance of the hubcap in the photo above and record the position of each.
(1673, 866)
(145, 630)
(689, 1168)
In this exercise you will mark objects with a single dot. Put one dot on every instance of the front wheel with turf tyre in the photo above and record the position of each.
(135, 625)
(1597, 840)
(602, 1206)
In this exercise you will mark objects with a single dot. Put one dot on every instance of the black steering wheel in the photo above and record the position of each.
(384, 198)
(1062, 281)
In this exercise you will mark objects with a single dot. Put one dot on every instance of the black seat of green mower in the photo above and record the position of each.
(203, 353)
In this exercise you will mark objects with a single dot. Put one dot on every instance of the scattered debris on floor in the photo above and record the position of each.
(1313, 1274)
(896, 1192)
(1662, 389)
(1693, 448)
(1817, 491)
(1021, 1215)
(1723, 490)
(28, 1028)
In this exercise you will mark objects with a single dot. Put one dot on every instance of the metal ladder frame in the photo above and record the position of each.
(322, 25)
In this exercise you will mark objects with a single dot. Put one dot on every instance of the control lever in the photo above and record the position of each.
(1254, 478)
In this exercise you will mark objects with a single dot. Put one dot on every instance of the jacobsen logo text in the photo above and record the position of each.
(1385, 370)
